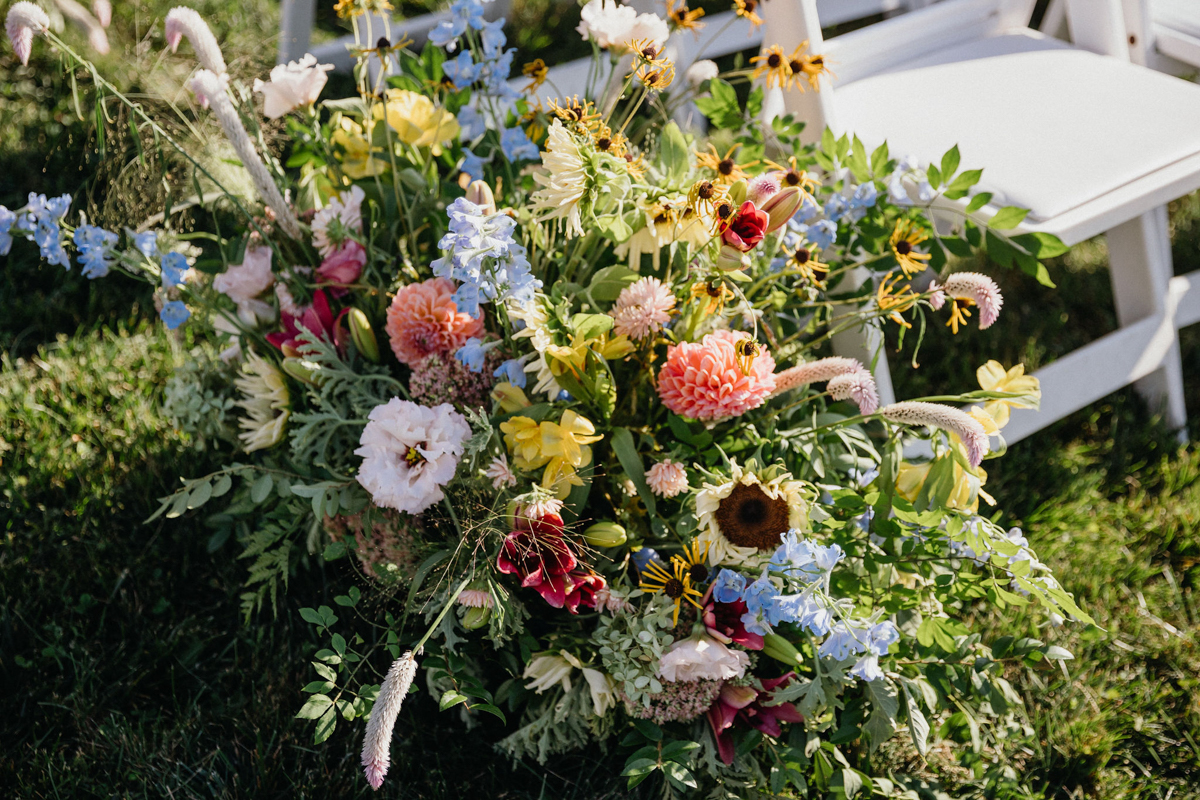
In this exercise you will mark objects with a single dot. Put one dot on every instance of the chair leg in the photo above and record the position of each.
(1139, 254)
(295, 29)
(867, 345)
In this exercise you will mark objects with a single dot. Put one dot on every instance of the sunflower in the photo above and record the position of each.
(748, 9)
(683, 18)
(904, 241)
(676, 584)
(804, 261)
(774, 65)
(728, 171)
(892, 302)
(748, 513)
(536, 71)
(715, 293)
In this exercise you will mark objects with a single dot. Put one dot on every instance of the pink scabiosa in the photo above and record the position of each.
(423, 320)
(948, 418)
(847, 379)
(24, 21)
(716, 377)
(376, 752)
(409, 453)
(667, 478)
(967, 289)
(182, 21)
(342, 216)
(643, 308)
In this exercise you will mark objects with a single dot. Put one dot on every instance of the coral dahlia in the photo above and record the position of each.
(423, 320)
(704, 379)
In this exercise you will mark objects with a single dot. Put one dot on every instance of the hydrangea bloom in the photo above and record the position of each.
(484, 259)
(409, 452)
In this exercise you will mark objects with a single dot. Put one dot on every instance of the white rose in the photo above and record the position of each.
(298, 83)
(702, 658)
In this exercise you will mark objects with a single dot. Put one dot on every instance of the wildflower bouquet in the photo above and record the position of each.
(555, 378)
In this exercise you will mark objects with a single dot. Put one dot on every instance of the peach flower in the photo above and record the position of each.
(423, 320)
(703, 380)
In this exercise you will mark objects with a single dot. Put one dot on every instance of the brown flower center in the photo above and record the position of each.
(724, 210)
(774, 60)
(903, 247)
(698, 573)
(796, 66)
(749, 517)
(603, 144)
(792, 178)
(673, 589)
(725, 166)
(802, 255)
(706, 190)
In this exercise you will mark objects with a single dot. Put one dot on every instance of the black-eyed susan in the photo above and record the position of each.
(580, 114)
(713, 293)
(805, 263)
(536, 71)
(607, 141)
(893, 300)
(695, 560)
(808, 67)
(682, 18)
(345, 9)
(904, 241)
(792, 175)
(648, 51)
(748, 10)
(774, 65)
(635, 165)
(728, 171)
(705, 196)
(960, 310)
(656, 78)
(675, 584)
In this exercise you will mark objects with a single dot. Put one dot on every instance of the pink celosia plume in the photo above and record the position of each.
(973, 286)
(103, 11)
(24, 21)
(183, 21)
(704, 380)
(858, 386)
(847, 379)
(376, 752)
(935, 415)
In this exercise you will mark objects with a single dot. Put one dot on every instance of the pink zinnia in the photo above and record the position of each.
(423, 320)
(643, 308)
(703, 380)
(667, 478)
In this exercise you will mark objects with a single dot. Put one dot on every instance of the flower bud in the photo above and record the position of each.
(782, 650)
(737, 192)
(301, 370)
(604, 534)
(509, 397)
(731, 259)
(363, 336)
(475, 618)
(481, 194)
(781, 206)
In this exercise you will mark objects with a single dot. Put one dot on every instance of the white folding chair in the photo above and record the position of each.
(1087, 141)
(1164, 35)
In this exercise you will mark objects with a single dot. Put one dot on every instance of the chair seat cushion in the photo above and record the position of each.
(1178, 15)
(1052, 127)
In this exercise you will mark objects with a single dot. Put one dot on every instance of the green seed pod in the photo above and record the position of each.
(605, 534)
(363, 336)
(301, 370)
(476, 618)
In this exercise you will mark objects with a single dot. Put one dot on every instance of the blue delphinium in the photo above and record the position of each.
(41, 218)
(462, 71)
(512, 371)
(174, 313)
(472, 123)
(174, 265)
(497, 62)
(146, 243)
(806, 610)
(7, 218)
(823, 233)
(836, 207)
(804, 559)
(728, 586)
(762, 610)
(95, 250)
(473, 353)
(516, 145)
(483, 258)
(845, 639)
(473, 164)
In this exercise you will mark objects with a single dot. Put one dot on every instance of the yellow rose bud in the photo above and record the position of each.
(605, 534)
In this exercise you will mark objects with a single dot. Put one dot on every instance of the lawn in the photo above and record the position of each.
(127, 670)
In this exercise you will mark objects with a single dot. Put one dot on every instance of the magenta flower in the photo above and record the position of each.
(748, 707)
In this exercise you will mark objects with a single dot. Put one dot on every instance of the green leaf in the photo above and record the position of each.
(200, 495)
(1041, 245)
(639, 770)
(311, 616)
(950, 162)
(222, 485)
(450, 699)
(886, 704)
(1056, 653)
(339, 644)
(674, 153)
(879, 159)
(679, 775)
(960, 185)
(648, 729)
(828, 142)
(979, 201)
(325, 725)
(918, 726)
(631, 462)
(850, 781)
(325, 671)
(1007, 218)
(608, 282)
(590, 326)
(334, 551)
(314, 707)
(262, 488)
(674, 750)
(318, 686)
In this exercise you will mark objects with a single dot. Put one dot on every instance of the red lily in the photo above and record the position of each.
(723, 621)
(316, 318)
(538, 553)
(746, 705)
(747, 229)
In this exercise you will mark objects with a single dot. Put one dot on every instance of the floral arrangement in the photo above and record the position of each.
(556, 379)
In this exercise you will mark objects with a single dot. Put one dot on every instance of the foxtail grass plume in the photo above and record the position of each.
(935, 415)
(23, 22)
(182, 21)
(847, 379)
(376, 752)
(979, 289)
(209, 88)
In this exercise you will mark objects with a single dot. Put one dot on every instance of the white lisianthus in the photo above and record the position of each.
(409, 453)
(298, 83)
(702, 658)
(701, 71)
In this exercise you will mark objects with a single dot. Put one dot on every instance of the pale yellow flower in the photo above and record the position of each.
(523, 437)
(416, 120)
(994, 378)
(568, 439)
(355, 155)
